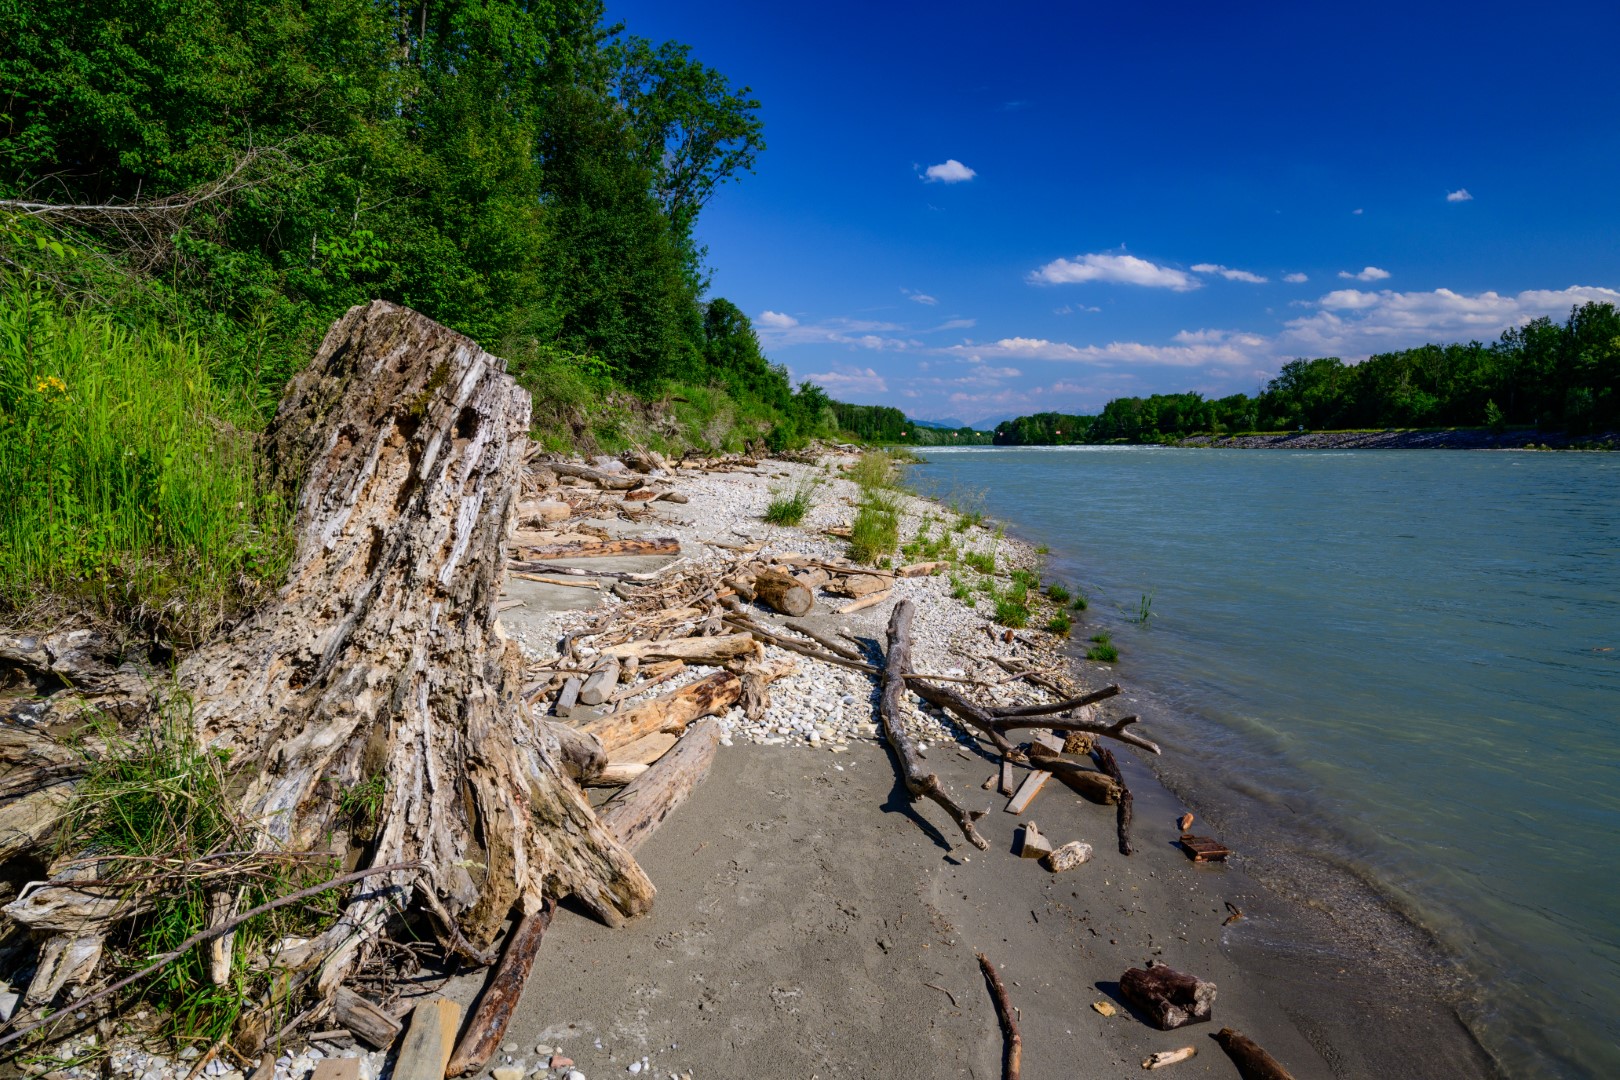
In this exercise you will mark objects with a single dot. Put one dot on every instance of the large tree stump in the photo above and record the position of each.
(382, 656)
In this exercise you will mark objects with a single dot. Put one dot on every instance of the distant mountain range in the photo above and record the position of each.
(951, 423)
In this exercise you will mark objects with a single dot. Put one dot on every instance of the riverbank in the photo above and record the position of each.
(1410, 439)
(811, 920)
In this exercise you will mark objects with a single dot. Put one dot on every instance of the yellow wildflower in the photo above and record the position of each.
(50, 385)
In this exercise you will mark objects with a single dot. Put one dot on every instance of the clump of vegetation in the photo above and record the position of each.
(1057, 594)
(789, 506)
(1144, 610)
(874, 471)
(1026, 578)
(960, 590)
(925, 548)
(982, 561)
(1060, 624)
(155, 808)
(1102, 649)
(1012, 606)
(1080, 601)
(876, 529)
(1043, 550)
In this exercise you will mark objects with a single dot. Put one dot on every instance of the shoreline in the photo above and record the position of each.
(1443, 439)
(1284, 941)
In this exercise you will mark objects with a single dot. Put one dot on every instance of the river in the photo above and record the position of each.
(1414, 655)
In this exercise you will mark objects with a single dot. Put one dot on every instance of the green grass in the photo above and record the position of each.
(1144, 609)
(982, 561)
(1012, 606)
(128, 477)
(1102, 649)
(160, 802)
(1057, 594)
(1028, 579)
(1060, 624)
(874, 471)
(960, 590)
(1080, 602)
(789, 506)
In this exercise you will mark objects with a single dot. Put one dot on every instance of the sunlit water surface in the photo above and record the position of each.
(1421, 648)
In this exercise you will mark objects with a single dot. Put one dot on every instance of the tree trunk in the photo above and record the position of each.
(382, 656)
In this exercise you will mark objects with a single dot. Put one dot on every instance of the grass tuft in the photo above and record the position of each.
(1057, 594)
(876, 530)
(1060, 624)
(982, 561)
(1102, 649)
(789, 506)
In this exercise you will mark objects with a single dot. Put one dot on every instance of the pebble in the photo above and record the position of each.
(508, 1072)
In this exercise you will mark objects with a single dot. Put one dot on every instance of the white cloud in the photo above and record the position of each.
(1295, 279)
(851, 380)
(949, 171)
(1460, 195)
(1368, 273)
(1353, 323)
(775, 320)
(1122, 269)
(953, 324)
(1228, 273)
(777, 331)
(1217, 347)
(919, 297)
(1357, 211)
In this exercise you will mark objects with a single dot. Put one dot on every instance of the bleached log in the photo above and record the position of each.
(711, 651)
(606, 549)
(605, 480)
(669, 713)
(642, 806)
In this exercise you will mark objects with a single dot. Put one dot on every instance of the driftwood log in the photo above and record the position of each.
(1105, 760)
(1013, 1057)
(670, 712)
(610, 481)
(1170, 998)
(604, 549)
(1252, 1062)
(783, 592)
(1096, 786)
(382, 657)
(967, 710)
(890, 710)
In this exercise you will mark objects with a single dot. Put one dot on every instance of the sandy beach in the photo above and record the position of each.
(812, 921)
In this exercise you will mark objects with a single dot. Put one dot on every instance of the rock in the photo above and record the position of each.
(547, 512)
(189, 1053)
(1068, 856)
(8, 1004)
(337, 1069)
(559, 1062)
(508, 1072)
(575, 1075)
(510, 1048)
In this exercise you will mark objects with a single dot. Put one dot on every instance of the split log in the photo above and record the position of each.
(856, 586)
(617, 774)
(669, 713)
(897, 661)
(382, 655)
(606, 549)
(606, 480)
(1031, 844)
(710, 651)
(428, 1043)
(1105, 759)
(783, 592)
(1252, 1062)
(1027, 791)
(1170, 998)
(756, 685)
(1096, 786)
(921, 569)
(1013, 1056)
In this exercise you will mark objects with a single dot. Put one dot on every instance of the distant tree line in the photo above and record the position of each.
(888, 425)
(1555, 376)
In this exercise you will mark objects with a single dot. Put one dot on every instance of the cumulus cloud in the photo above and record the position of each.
(1119, 269)
(1228, 273)
(1368, 273)
(775, 320)
(1354, 323)
(851, 380)
(1295, 279)
(1460, 195)
(950, 171)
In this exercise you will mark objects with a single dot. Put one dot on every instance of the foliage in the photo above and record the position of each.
(1057, 594)
(1026, 578)
(1080, 601)
(886, 425)
(982, 561)
(1012, 606)
(127, 475)
(874, 470)
(1144, 610)
(1060, 624)
(876, 529)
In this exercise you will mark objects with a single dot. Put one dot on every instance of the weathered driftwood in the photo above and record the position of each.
(428, 1041)
(1096, 786)
(1170, 998)
(501, 993)
(920, 784)
(642, 806)
(617, 774)
(1031, 844)
(1105, 760)
(606, 549)
(1067, 857)
(580, 753)
(602, 682)
(670, 712)
(1013, 1056)
(364, 1018)
(1112, 729)
(783, 592)
(826, 641)
(857, 585)
(382, 655)
(870, 600)
(756, 685)
(607, 480)
(967, 710)
(712, 651)
(1162, 1058)
(1252, 1062)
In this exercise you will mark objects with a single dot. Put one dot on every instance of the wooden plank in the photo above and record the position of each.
(1027, 791)
(429, 1041)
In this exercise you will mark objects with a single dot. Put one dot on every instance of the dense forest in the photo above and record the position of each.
(1555, 376)
(887, 425)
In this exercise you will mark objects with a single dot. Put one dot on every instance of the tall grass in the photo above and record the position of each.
(876, 530)
(788, 506)
(127, 474)
(874, 470)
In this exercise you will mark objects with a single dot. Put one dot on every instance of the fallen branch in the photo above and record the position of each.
(1114, 730)
(967, 710)
(1012, 1061)
(606, 549)
(1105, 758)
(918, 783)
(831, 644)
(1057, 706)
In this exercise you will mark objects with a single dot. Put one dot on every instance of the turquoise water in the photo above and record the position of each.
(1418, 651)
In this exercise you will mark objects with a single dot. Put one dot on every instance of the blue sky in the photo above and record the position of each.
(975, 211)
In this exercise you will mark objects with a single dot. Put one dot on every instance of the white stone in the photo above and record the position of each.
(508, 1072)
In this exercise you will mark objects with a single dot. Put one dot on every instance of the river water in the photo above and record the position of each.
(1416, 653)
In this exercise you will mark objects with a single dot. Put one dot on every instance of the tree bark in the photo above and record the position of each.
(382, 656)
(919, 783)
